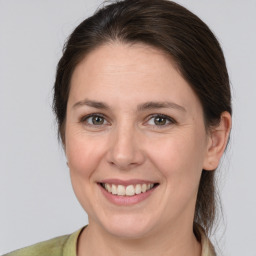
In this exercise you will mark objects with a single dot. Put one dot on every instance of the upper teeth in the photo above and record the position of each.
(129, 190)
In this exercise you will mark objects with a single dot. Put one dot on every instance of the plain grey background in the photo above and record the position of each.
(36, 197)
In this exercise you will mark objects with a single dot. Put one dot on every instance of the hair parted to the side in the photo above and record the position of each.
(181, 35)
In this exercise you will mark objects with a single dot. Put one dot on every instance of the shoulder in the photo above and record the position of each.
(59, 246)
(52, 247)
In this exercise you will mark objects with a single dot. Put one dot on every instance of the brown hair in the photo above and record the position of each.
(183, 36)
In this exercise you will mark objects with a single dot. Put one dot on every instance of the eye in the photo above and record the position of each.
(94, 120)
(160, 120)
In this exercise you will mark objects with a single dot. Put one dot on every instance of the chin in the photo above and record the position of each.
(131, 232)
(128, 227)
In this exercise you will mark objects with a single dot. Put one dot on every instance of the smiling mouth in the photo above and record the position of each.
(130, 190)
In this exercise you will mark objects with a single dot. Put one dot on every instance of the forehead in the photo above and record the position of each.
(138, 72)
(120, 57)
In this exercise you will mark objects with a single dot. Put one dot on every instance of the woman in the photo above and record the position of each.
(143, 105)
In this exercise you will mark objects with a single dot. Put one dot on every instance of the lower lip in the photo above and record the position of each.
(126, 200)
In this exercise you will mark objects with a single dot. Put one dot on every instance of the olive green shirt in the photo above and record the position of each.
(59, 246)
(67, 246)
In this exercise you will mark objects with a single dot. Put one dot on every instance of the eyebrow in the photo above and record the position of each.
(142, 107)
(156, 105)
(91, 103)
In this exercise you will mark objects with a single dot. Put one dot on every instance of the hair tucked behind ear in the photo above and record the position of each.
(181, 35)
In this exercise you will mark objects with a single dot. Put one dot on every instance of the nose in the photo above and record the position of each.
(125, 149)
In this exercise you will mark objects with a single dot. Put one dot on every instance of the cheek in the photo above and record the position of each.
(180, 160)
(83, 153)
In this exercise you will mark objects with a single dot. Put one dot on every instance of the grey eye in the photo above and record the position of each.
(96, 120)
(160, 120)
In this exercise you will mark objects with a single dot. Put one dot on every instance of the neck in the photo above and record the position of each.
(96, 241)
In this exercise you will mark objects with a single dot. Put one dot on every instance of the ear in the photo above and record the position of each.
(217, 142)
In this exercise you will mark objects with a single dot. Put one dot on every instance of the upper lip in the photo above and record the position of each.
(127, 182)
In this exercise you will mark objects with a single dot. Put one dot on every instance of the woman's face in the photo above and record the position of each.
(135, 141)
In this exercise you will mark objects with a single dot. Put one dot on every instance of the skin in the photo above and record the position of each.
(130, 144)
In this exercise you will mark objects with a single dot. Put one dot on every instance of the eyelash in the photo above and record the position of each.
(169, 120)
(84, 119)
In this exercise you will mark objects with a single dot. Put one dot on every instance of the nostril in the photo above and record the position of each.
(123, 165)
